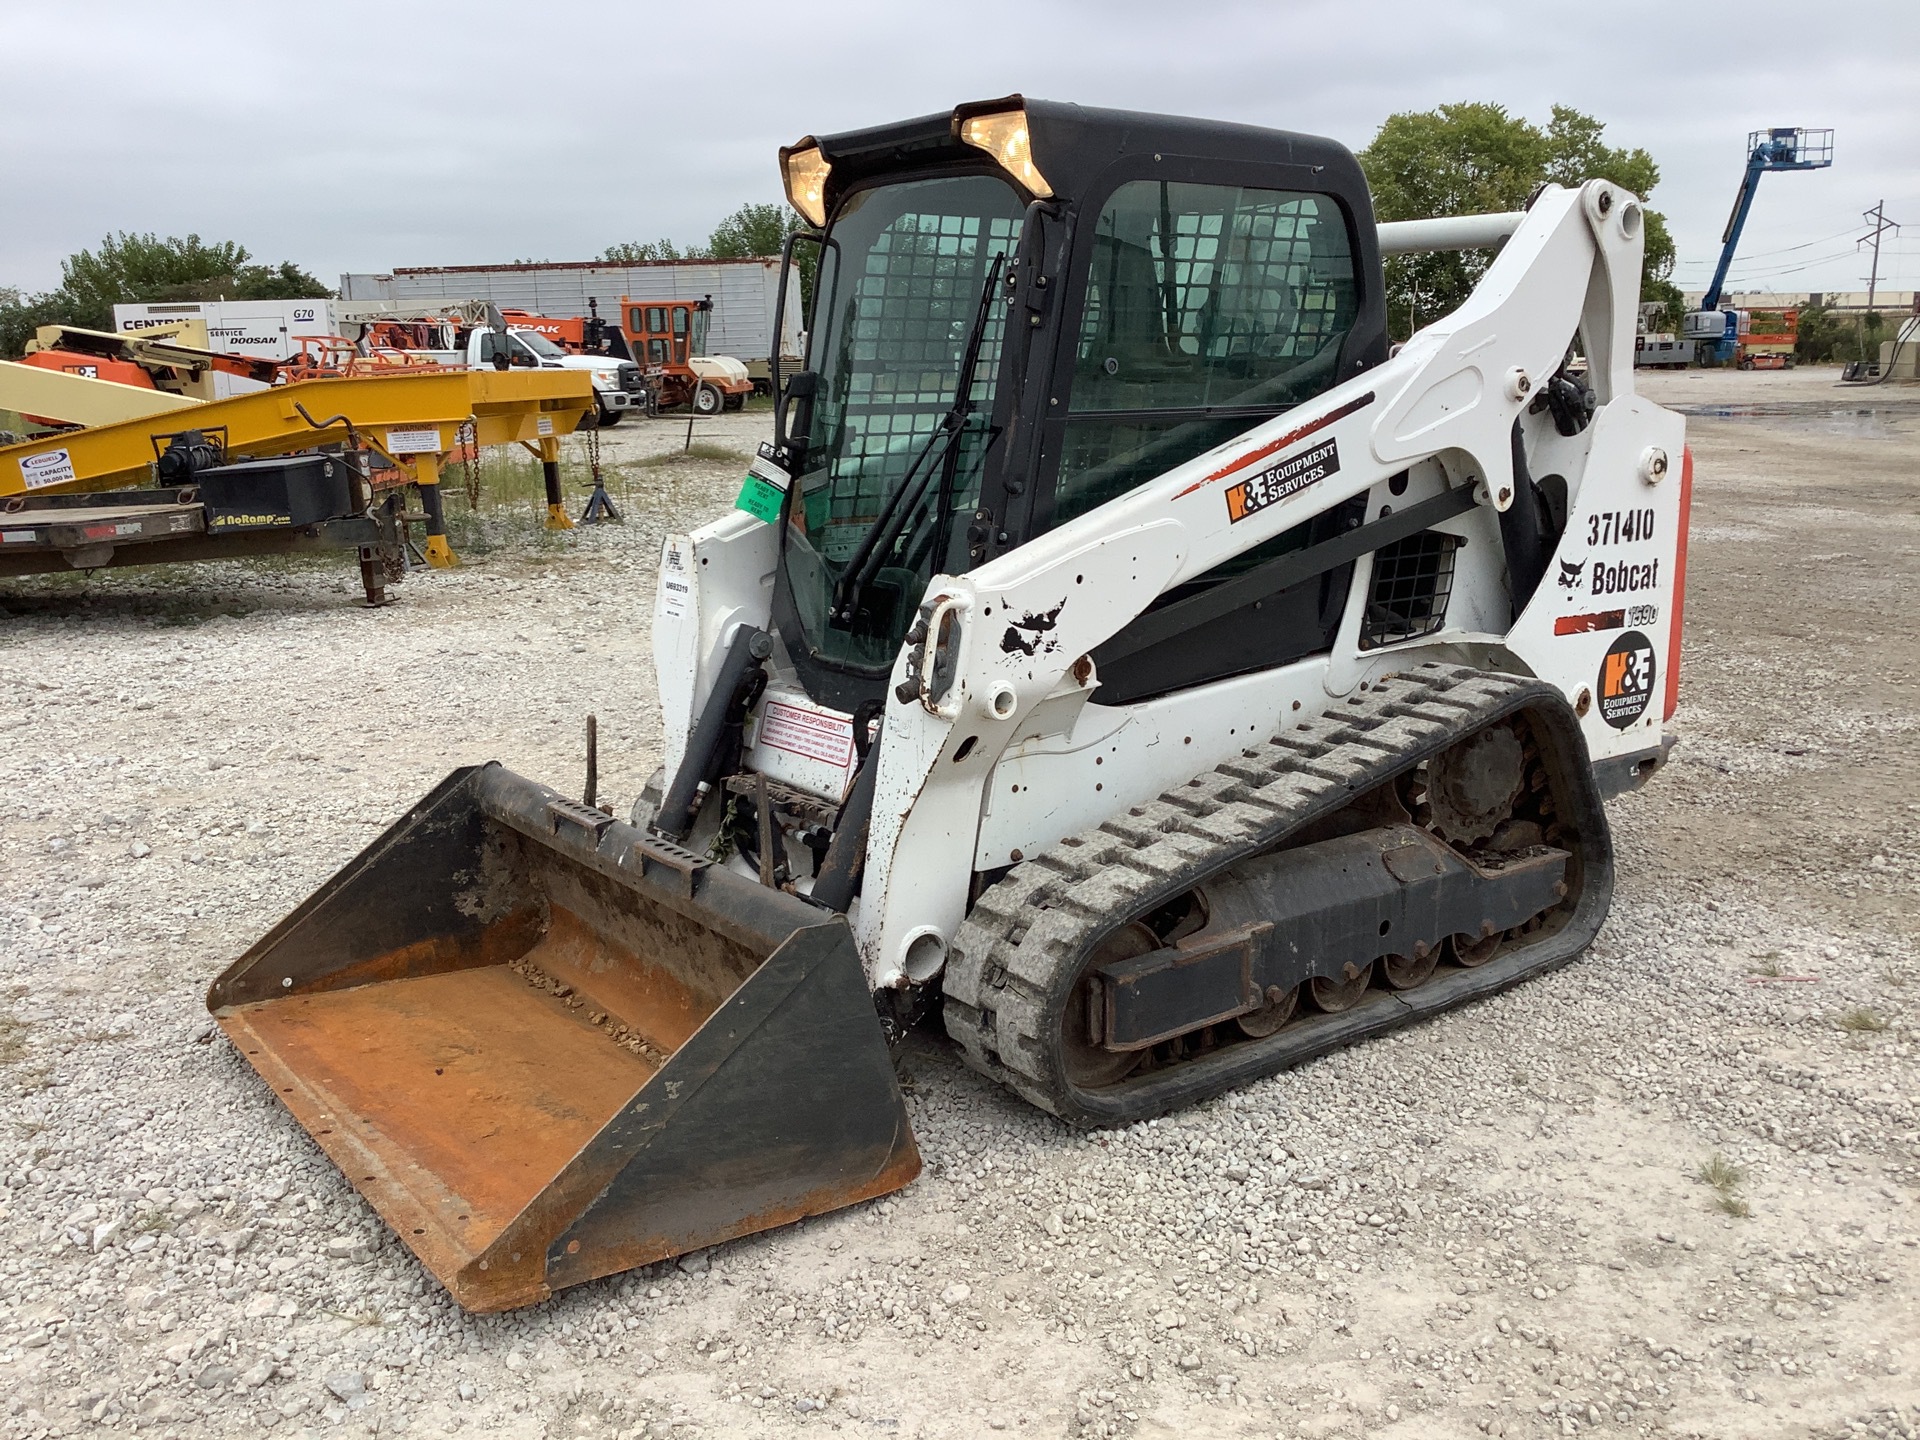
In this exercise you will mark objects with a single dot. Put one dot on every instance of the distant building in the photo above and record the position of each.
(1886, 302)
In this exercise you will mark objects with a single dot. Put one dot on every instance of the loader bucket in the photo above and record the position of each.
(548, 1047)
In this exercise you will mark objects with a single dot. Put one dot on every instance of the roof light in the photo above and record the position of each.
(803, 170)
(1003, 135)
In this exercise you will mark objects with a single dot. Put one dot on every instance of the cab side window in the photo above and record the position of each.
(1208, 308)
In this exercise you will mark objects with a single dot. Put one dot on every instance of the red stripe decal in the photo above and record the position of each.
(1679, 584)
(1253, 456)
(1582, 624)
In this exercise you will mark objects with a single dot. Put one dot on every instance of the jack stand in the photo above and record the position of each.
(557, 518)
(600, 507)
(427, 477)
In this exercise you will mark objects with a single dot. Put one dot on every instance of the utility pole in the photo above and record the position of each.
(1877, 218)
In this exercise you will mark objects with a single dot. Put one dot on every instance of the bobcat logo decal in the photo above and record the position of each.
(1570, 575)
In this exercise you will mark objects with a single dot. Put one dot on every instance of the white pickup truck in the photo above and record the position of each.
(618, 385)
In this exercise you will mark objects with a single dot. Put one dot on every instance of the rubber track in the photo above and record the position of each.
(1029, 934)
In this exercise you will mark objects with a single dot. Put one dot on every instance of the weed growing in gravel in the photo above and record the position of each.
(699, 450)
(1768, 965)
(12, 1046)
(1726, 1178)
(367, 1318)
(1862, 1019)
(1721, 1173)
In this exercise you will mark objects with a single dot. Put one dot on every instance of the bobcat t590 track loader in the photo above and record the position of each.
(1117, 642)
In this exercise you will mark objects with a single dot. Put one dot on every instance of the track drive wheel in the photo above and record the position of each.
(1086, 1063)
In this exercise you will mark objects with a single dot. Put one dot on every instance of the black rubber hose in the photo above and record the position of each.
(846, 858)
(745, 654)
(1522, 536)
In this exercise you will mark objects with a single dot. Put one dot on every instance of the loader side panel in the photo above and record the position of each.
(465, 908)
(725, 1155)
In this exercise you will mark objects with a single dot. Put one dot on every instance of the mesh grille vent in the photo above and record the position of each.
(1412, 580)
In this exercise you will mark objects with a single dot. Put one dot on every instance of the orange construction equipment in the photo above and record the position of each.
(144, 361)
(669, 343)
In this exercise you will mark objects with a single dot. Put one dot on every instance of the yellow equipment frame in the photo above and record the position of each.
(82, 399)
(413, 419)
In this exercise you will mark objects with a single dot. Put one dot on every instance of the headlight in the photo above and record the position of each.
(803, 170)
(1003, 135)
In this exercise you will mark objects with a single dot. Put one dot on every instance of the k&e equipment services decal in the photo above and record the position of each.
(1626, 679)
(1289, 477)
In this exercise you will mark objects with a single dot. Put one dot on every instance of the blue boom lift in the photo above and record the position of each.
(1717, 330)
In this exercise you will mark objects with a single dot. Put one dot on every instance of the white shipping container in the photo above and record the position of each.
(744, 294)
(259, 329)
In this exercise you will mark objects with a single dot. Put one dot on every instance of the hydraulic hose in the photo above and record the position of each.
(846, 858)
(1522, 536)
(741, 667)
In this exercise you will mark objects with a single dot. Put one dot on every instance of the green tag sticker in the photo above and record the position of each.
(760, 499)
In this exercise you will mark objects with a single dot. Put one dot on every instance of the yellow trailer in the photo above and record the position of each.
(414, 419)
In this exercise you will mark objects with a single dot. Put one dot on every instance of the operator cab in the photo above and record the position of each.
(667, 333)
(1023, 310)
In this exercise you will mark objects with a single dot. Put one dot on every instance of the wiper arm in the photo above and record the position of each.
(864, 564)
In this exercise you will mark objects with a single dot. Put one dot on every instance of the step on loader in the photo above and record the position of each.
(1119, 656)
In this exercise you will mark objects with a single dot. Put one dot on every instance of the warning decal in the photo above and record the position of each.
(414, 442)
(805, 732)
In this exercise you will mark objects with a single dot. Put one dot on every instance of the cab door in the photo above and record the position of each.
(681, 322)
(647, 327)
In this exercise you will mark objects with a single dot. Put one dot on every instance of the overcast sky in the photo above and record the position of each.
(357, 136)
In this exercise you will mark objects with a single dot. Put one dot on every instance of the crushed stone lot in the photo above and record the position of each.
(1669, 1190)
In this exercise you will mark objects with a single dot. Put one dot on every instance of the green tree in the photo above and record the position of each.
(639, 252)
(753, 232)
(131, 269)
(21, 315)
(285, 281)
(1826, 337)
(1468, 158)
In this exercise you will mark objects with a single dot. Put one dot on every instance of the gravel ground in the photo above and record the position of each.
(1668, 1190)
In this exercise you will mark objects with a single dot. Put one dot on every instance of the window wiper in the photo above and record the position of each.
(865, 562)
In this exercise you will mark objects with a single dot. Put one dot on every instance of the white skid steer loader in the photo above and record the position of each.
(1117, 652)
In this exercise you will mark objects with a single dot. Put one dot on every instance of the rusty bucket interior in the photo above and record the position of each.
(547, 1047)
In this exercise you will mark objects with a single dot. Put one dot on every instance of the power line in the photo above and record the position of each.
(1763, 254)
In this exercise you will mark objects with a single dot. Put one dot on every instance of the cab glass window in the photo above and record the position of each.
(1208, 308)
(656, 320)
